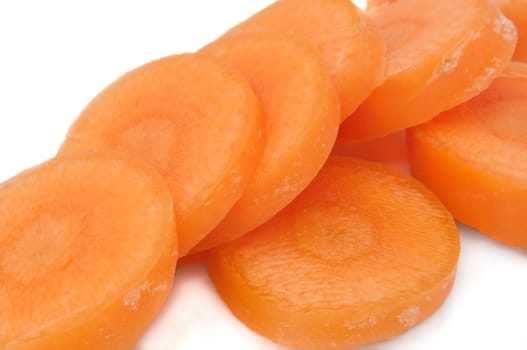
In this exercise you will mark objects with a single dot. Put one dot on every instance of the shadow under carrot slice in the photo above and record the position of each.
(390, 150)
(194, 259)
(87, 253)
(301, 112)
(351, 45)
(439, 54)
(363, 254)
(474, 157)
(195, 119)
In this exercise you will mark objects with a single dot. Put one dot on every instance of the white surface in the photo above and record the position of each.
(55, 56)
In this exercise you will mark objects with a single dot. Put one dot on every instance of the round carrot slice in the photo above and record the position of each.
(443, 56)
(351, 45)
(87, 253)
(516, 11)
(194, 118)
(474, 157)
(363, 254)
(301, 120)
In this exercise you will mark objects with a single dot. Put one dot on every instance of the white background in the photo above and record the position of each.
(55, 56)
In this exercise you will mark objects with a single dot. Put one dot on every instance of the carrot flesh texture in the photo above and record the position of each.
(474, 158)
(390, 150)
(373, 3)
(301, 113)
(434, 62)
(85, 262)
(196, 119)
(363, 254)
(351, 45)
(516, 11)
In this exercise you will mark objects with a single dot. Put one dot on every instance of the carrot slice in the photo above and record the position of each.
(196, 119)
(516, 11)
(444, 56)
(301, 119)
(373, 3)
(352, 47)
(390, 150)
(363, 254)
(87, 253)
(474, 157)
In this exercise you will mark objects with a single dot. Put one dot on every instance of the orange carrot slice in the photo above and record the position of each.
(516, 11)
(443, 56)
(364, 254)
(194, 118)
(87, 253)
(474, 157)
(301, 119)
(390, 150)
(352, 47)
(374, 3)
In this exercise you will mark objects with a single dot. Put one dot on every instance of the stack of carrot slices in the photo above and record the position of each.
(301, 118)
(224, 156)
(431, 65)
(207, 152)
